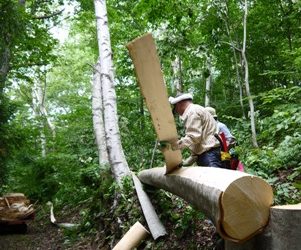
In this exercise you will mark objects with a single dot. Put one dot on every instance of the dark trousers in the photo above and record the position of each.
(210, 158)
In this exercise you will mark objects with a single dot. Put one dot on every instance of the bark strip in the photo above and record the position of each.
(154, 224)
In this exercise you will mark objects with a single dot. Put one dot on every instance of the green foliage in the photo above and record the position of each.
(279, 134)
(175, 211)
(202, 35)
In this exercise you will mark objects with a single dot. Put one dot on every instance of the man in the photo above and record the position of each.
(222, 128)
(200, 128)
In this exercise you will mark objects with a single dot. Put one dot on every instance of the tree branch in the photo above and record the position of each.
(49, 16)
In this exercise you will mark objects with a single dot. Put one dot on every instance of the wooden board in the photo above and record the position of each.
(150, 78)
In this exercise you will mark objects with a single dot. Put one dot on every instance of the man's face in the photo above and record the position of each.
(178, 108)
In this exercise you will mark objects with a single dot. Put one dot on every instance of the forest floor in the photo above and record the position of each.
(42, 235)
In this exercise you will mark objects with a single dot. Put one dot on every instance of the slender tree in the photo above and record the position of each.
(246, 67)
(40, 112)
(115, 151)
(208, 81)
(177, 86)
(98, 121)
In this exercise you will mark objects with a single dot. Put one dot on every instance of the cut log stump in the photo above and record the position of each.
(237, 203)
(282, 232)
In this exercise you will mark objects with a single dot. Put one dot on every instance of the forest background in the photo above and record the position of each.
(47, 146)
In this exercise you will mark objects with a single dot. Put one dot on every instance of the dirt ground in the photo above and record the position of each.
(42, 235)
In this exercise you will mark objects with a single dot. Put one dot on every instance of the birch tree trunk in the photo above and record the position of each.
(207, 91)
(115, 151)
(234, 50)
(39, 92)
(245, 61)
(40, 112)
(5, 58)
(97, 112)
(208, 76)
(177, 86)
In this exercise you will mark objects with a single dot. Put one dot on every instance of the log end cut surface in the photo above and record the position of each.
(246, 207)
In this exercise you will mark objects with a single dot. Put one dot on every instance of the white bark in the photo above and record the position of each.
(43, 143)
(207, 91)
(115, 151)
(38, 104)
(98, 111)
(154, 224)
(177, 74)
(208, 80)
(244, 57)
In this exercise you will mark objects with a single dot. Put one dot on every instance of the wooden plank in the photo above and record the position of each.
(150, 78)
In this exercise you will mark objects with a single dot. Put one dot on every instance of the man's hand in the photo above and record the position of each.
(174, 144)
(190, 160)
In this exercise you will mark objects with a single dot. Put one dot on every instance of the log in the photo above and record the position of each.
(237, 203)
(132, 238)
(282, 232)
(15, 207)
(154, 224)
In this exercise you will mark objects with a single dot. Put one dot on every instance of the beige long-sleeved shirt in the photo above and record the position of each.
(200, 128)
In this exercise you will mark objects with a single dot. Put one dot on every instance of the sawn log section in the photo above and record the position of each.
(237, 203)
(150, 78)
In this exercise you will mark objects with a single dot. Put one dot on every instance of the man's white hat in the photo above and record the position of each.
(178, 98)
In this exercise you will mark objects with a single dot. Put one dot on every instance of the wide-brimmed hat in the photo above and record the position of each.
(180, 97)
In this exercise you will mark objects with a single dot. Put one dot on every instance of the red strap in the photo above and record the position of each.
(224, 141)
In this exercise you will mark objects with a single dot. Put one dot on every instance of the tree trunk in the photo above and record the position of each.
(245, 61)
(237, 203)
(98, 111)
(207, 91)
(177, 86)
(115, 151)
(40, 112)
(282, 232)
(4, 67)
(40, 98)
(232, 45)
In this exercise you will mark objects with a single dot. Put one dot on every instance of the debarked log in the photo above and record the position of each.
(136, 234)
(237, 203)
